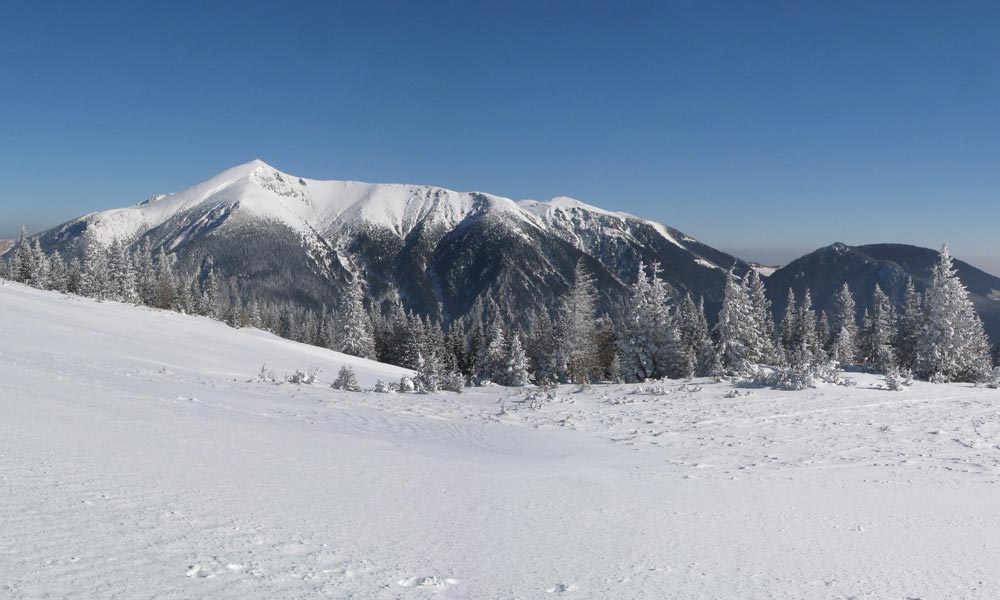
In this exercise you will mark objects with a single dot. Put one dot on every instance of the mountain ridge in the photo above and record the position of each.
(404, 240)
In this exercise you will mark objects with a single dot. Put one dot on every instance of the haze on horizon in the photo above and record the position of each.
(766, 130)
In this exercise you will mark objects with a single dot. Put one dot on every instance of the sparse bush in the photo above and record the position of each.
(406, 384)
(309, 376)
(894, 381)
(380, 387)
(265, 376)
(938, 377)
(994, 380)
(453, 382)
(797, 378)
(346, 380)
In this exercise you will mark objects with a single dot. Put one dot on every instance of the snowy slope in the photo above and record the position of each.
(137, 461)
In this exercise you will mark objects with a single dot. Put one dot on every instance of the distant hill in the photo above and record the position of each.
(6, 245)
(889, 265)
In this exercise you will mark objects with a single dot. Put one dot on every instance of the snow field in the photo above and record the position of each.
(137, 460)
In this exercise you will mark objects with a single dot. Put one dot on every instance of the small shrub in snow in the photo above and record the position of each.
(306, 377)
(548, 384)
(894, 381)
(651, 390)
(346, 380)
(406, 384)
(938, 377)
(797, 378)
(453, 382)
(994, 380)
(265, 376)
(380, 387)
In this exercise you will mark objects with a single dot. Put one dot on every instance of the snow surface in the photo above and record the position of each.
(138, 461)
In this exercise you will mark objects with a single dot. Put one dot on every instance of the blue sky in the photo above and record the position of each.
(764, 128)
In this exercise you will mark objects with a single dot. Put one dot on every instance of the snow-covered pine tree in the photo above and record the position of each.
(694, 337)
(735, 332)
(541, 348)
(353, 331)
(22, 265)
(844, 325)
(952, 345)
(58, 278)
(145, 273)
(911, 323)
(456, 348)
(74, 276)
(789, 325)
(577, 331)
(121, 274)
(166, 283)
(429, 373)
(649, 341)
(40, 267)
(95, 281)
(879, 332)
(346, 380)
(184, 294)
(256, 316)
(491, 360)
(412, 340)
(516, 371)
(824, 332)
(806, 349)
(764, 344)
(211, 293)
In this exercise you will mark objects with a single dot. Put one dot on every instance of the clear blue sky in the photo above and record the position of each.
(765, 128)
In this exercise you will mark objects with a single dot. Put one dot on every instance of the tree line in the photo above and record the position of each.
(653, 334)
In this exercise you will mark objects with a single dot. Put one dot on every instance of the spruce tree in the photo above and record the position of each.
(58, 278)
(95, 282)
(577, 332)
(879, 332)
(910, 325)
(805, 346)
(788, 324)
(516, 368)
(844, 325)
(764, 347)
(952, 345)
(166, 283)
(491, 360)
(650, 345)
(353, 331)
(735, 331)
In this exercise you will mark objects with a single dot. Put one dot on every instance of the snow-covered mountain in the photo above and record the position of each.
(5, 245)
(437, 251)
